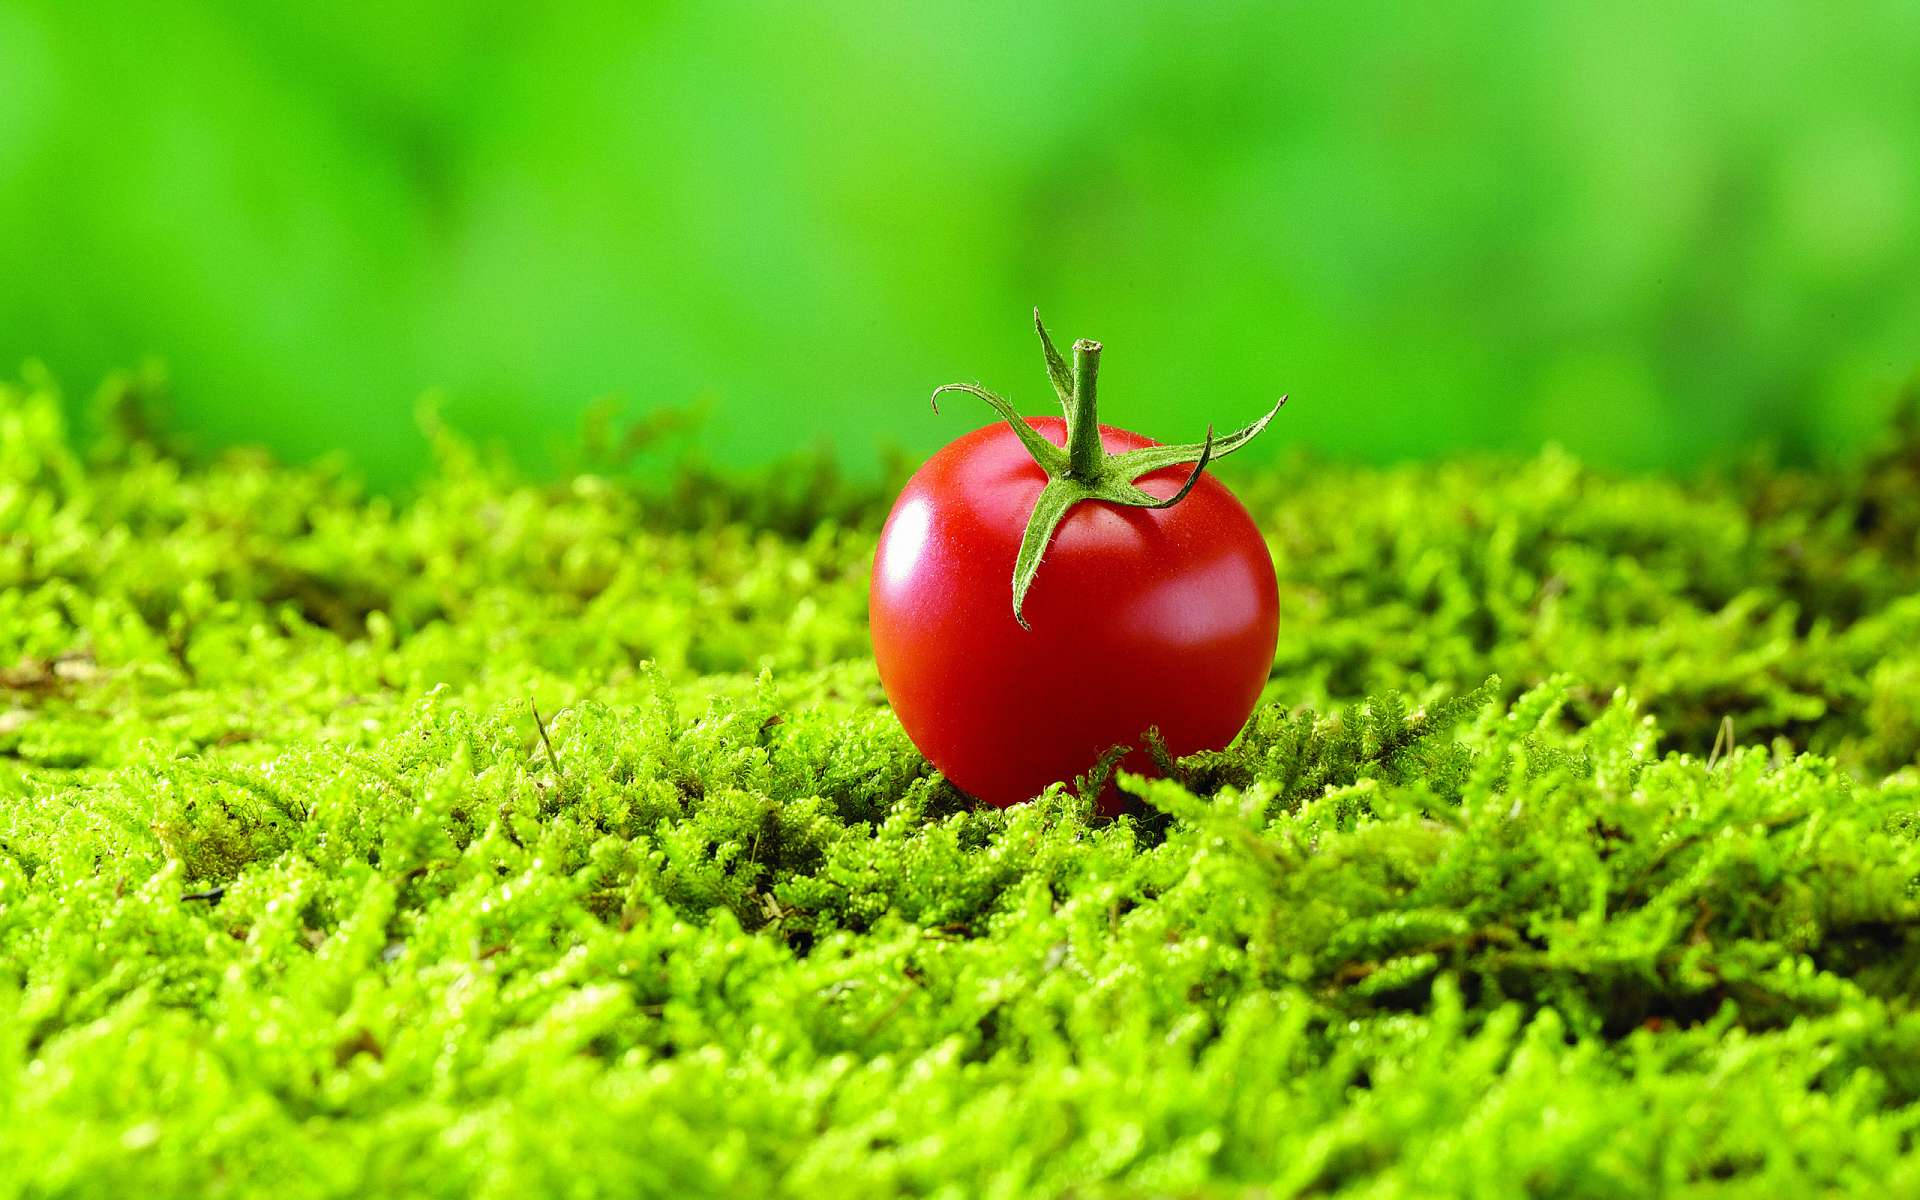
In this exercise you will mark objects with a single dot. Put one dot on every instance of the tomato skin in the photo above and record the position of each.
(1140, 618)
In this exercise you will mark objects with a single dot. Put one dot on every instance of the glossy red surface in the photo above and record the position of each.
(1140, 618)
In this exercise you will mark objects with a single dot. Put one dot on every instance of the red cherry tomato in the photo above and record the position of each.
(1140, 618)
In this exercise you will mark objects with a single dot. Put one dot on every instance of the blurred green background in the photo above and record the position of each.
(1654, 240)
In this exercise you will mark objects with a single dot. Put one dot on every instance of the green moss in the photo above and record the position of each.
(295, 894)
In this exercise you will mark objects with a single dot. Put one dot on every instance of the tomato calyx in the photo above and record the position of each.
(1085, 470)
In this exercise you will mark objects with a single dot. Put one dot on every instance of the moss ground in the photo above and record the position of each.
(1576, 851)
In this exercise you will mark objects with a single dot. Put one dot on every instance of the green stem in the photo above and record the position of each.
(1086, 471)
(1086, 457)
